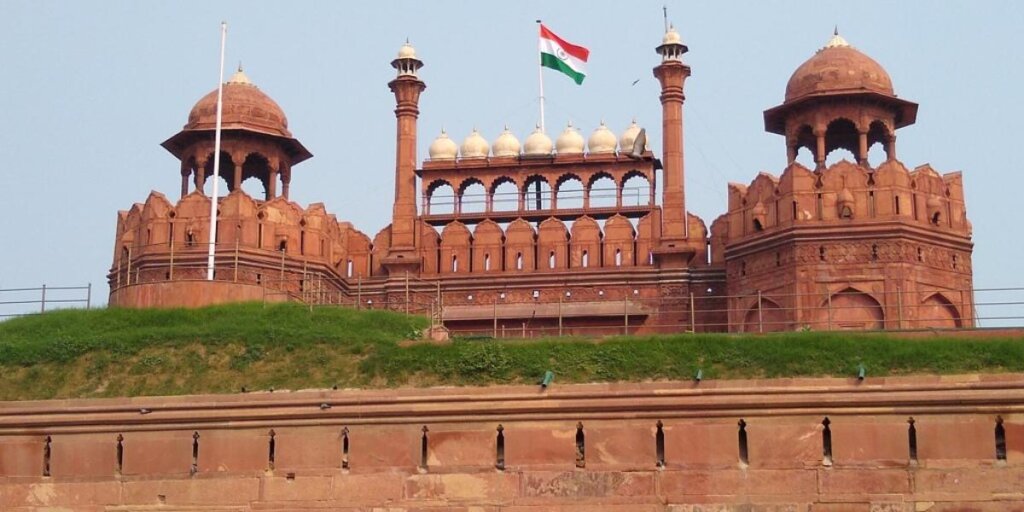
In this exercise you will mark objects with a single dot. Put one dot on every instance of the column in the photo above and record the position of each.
(272, 184)
(862, 147)
(890, 148)
(286, 180)
(819, 155)
(185, 171)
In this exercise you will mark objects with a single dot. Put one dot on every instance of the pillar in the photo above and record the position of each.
(819, 144)
(862, 147)
(672, 75)
(286, 181)
(272, 184)
(890, 148)
(185, 171)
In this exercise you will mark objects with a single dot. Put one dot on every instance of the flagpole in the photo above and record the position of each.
(216, 156)
(540, 78)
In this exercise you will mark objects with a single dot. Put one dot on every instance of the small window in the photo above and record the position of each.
(586, 259)
(757, 225)
(551, 260)
(487, 262)
(455, 263)
(519, 261)
(618, 257)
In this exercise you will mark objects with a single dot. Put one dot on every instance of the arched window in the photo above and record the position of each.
(455, 263)
(551, 260)
(586, 259)
(487, 261)
(618, 257)
(519, 261)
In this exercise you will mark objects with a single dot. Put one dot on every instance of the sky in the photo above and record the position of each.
(90, 89)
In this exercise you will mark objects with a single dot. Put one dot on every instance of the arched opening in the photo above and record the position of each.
(569, 192)
(255, 166)
(757, 225)
(938, 312)
(537, 191)
(504, 195)
(603, 191)
(227, 170)
(850, 309)
(766, 316)
(636, 190)
(440, 198)
(841, 141)
(805, 146)
(586, 259)
(472, 196)
(551, 259)
(878, 135)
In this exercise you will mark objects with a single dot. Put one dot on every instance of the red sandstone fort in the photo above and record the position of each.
(544, 236)
(569, 236)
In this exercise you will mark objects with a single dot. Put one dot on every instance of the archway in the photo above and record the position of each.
(938, 312)
(603, 191)
(569, 191)
(472, 196)
(538, 193)
(636, 190)
(850, 309)
(440, 198)
(504, 195)
(770, 317)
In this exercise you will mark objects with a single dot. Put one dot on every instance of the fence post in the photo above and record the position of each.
(559, 314)
(42, 301)
(625, 313)
(899, 308)
(760, 314)
(88, 296)
(829, 305)
(693, 315)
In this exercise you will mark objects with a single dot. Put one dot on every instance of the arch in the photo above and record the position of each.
(487, 247)
(804, 146)
(226, 171)
(553, 244)
(569, 191)
(878, 138)
(636, 189)
(256, 165)
(430, 242)
(841, 134)
(770, 317)
(472, 196)
(586, 238)
(603, 191)
(520, 243)
(440, 197)
(850, 309)
(645, 239)
(537, 193)
(936, 311)
(619, 239)
(505, 194)
(456, 241)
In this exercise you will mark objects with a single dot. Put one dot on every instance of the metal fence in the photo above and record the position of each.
(21, 301)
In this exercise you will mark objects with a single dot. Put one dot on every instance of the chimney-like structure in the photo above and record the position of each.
(402, 255)
(673, 251)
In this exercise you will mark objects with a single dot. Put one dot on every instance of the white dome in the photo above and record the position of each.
(601, 141)
(506, 144)
(629, 137)
(443, 148)
(537, 144)
(475, 146)
(570, 142)
(671, 37)
(407, 51)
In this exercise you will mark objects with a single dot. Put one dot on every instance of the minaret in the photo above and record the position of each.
(402, 255)
(672, 74)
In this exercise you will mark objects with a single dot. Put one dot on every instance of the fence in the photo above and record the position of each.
(21, 301)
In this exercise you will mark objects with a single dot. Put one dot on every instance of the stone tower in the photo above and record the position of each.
(851, 245)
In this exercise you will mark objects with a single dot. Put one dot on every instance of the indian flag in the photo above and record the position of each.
(559, 54)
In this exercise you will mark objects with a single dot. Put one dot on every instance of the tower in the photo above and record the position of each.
(255, 142)
(402, 254)
(673, 252)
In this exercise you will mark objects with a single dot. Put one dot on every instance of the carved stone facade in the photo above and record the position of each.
(570, 236)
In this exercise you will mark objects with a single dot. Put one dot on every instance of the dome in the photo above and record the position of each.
(671, 36)
(570, 142)
(506, 144)
(407, 51)
(537, 144)
(443, 148)
(245, 107)
(475, 146)
(601, 141)
(629, 137)
(838, 68)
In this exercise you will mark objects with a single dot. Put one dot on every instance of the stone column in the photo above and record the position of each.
(185, 171)
(286, 180)
(890, 148)
(672, 75)
(819, 154)
(272, 184)
(862, 147)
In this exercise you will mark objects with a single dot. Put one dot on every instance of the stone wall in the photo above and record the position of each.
(678, 446)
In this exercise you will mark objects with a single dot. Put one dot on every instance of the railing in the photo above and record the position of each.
(23, 301)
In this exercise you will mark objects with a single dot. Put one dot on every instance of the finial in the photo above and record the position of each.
(835, 31)
(506, 127)
(239, 66)
(443, 132)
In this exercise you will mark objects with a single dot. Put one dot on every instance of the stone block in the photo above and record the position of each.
(305, 447)
(462, 448)
(774, 444)
(540, 445)
(83, 455)
(158, 453)
(302, 487)
(373, 447)
(479, 488)
(22, 455)
(43, 495)
(963, 438)
(235, 451)
(377, 489)
(584, 485)
(882, 441)
(864, 481)
(701, 445)
(626, 446)
(681, 485)
(192, 491)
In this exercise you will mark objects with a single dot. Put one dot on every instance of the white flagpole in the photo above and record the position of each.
(216, 156)
(540, 77)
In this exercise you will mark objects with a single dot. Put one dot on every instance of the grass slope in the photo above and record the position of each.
(121, 352)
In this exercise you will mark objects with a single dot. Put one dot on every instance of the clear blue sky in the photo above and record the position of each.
(90, 89)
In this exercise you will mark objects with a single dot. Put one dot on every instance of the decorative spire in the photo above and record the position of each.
(837, 40)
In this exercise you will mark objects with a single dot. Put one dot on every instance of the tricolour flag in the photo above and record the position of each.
(559, 54)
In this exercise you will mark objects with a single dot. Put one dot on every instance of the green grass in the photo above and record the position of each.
(122, 352)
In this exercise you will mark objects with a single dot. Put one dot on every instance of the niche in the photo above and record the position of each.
(46, 456)
(344, 448)
(423, 449)
(743, 448)
(271, 449)
(826, 441)
(120, 454)
(581, 454)
(499, 448)
(1000, 439)
(195, 454)
(659, 445)
(912, 440)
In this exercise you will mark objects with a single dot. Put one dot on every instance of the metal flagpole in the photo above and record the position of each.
(216, 156)
(540, 77)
